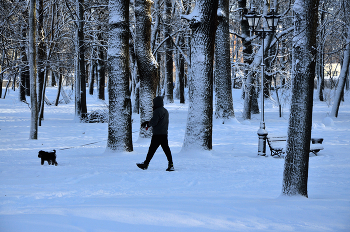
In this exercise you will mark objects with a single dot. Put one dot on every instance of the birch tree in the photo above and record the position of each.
(199, 126)
(223, 85)
(296, 165)
(146, 62)
(119, 125)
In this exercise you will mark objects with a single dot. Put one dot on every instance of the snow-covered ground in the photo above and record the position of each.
(227, 189)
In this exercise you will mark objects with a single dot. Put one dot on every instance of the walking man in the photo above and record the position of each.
(159, 123)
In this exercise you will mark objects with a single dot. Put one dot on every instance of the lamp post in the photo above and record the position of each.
(253, 21)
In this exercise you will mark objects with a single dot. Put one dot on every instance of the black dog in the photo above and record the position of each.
(50, 157)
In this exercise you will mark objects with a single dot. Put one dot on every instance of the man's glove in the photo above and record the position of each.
(145, 124)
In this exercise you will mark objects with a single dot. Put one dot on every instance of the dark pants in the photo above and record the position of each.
(157, 140)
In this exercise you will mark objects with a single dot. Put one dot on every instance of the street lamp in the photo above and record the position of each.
(253, 20)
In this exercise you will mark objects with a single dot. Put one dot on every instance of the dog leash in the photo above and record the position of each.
(87, 144)
(81, 145)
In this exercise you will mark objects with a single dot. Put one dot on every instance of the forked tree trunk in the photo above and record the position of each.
(146, 62)
(296, 165)
(199, 127)
(119, 124)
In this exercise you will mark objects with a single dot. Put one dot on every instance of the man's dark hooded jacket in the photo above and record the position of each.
(160, 119)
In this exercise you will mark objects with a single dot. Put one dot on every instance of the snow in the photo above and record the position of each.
(229, 188)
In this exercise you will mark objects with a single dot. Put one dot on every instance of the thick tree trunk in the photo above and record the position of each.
(119, 124)
(146, 62)
(199, 127)
(342, 77)
(33, 73)
(223, 85)
(296, 166)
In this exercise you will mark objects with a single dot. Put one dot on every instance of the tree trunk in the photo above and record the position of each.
(296, 165)
(223, 85)
(59, 87)
(146, 62)
(23, 72)
(168, 45)
(41, 55)
(33, 73)
(342, 78)
(320, 63)
(247, 58)
(119, 124)
(92, 75)
(181, 68)
(101, 71)
(80, 82)
(199, 127)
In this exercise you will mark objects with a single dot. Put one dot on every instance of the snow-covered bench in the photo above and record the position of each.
(277, 145)
(316, 145)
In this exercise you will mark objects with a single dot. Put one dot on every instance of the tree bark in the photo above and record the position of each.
(41, 58)
(23, 72)
(146, 62)
(33, 73)
(296, 165)
(168, 45)
(119, 124)
(101, 70)
(199, 127)
(80, 82)
(223, 86)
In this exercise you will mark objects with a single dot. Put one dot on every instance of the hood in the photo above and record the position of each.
(158, 102)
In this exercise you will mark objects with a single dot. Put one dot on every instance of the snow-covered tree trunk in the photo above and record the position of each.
(119, 124)
(342, 77)
(248, 86)
(199, 127)
(296, 165)
(223, 85)
(33, 73)
(168, 45)
(146, 62)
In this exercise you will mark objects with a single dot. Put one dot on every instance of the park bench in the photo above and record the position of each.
(277, 145)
